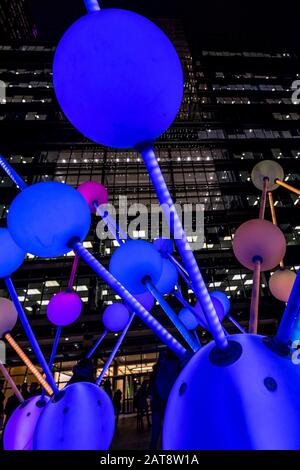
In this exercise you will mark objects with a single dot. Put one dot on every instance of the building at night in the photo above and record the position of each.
(237, 110)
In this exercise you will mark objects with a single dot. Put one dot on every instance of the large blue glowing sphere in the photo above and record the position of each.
(168, 278)
(115, 317)
(133, 262)
(11, 255)
(81, 419)
(118, 78)
(45, 217)
(19, 430)
(252, 403)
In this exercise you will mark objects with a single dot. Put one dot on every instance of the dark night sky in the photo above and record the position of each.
(251, 24)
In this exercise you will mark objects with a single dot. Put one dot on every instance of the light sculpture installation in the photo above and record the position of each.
(248, 385)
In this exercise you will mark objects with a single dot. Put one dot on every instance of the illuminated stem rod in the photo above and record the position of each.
(113, 227)
(30, 334)
(147, 318)
(28, 363)
(9, 380)
(274, 218)
(184, 248)
(96, 345)
(92, 5)
(290, 313)
(254, 306)
(115, 350)
(172, 316)
(12, 173)
(287, 186)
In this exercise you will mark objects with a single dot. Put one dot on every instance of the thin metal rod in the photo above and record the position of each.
(197, 338)
(113, 227)
(253, 322)
(73, 272)
(181, 271)
(28, 363)
(274, 218)
(290, 313)
(136, 307)
(9, 379)
(12, 173)
(182, 300)
(96, 345)
(54, 351)
(115, 350)
(172, 316)
(287, 186)
(92, 5)
(30, 335)
(263, 200)
(239, 327)
(184, 248)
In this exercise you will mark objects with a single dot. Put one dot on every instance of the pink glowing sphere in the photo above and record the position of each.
(64, 308)
(259, 239)
(281, 284)
(93, 192)
(8, 316)
(115, 317)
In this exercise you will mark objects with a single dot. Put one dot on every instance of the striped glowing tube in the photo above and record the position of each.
(28, 363)
(184, 248)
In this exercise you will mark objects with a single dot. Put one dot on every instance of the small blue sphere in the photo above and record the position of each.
(118, 78)
(82, 418)
(168, 278)
(164, 246)
(252, 403)
(187, 317)
(115, 317)
(45, 217)
(135, 261)
(11, 255)
(222, 297)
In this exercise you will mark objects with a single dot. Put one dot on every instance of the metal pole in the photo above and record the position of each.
(274, 218)
(172, 316)
(115, 350)
(148, 319)
(92, 5)
(12, 173)
(184, 248)
(287, 186)
(96, 345)
(253, 322)
(30, 334)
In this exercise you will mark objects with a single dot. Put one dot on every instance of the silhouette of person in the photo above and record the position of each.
(117, 404)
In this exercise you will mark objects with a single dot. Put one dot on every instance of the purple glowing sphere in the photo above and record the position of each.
(93, 192)
(19, 430)
(64, 308)
(115, 317)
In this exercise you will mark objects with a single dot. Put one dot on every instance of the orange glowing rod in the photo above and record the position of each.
(28, 363)
(274, 218)
(287, 186)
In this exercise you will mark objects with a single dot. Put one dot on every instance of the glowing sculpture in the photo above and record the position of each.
(243, 403)
(11, 256)
(93, 192)
(19, 430)
(81, 418)
(64, 308)
(46, 216)
(187, 317)
(115, 317)
(168, 278)
(92, 56)
(8, 316)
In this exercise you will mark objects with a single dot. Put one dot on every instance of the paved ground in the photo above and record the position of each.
(127, 437)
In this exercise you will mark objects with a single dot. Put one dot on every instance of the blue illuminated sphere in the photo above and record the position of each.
(118, 78)
(252, 403)
(188, 318)
(164, 246)
(223, 299)
(19, 430)
(133, 262)
(168, 278)
(115, 317)
(45, 217)
(81, 419)
(11, 255)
